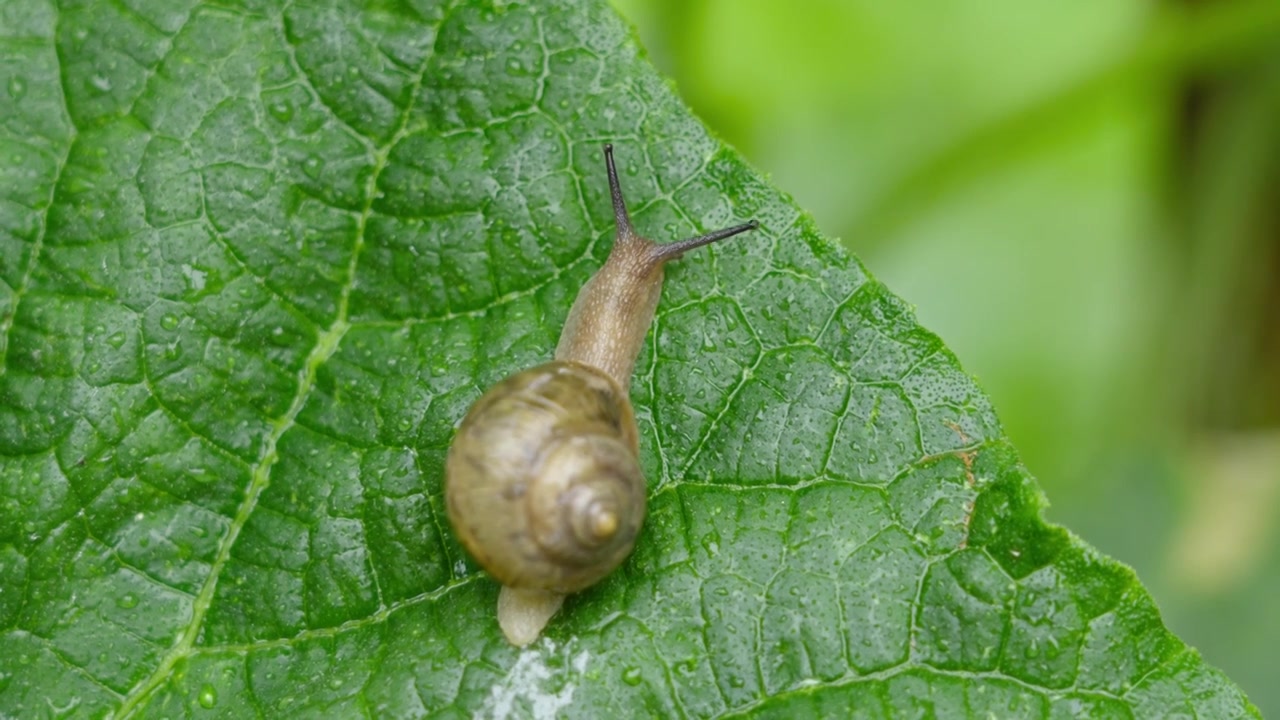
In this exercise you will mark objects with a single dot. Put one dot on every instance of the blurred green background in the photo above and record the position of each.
(1083, 199)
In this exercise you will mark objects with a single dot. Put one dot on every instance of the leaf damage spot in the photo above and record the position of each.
(966, 457)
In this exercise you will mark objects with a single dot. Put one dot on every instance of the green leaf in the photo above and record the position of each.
(258, 260)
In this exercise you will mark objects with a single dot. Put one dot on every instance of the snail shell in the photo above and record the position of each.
(542, 481)
(547, 493)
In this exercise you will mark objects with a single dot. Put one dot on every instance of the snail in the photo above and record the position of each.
(542, 481)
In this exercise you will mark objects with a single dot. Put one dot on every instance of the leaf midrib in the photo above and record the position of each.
(327, 343)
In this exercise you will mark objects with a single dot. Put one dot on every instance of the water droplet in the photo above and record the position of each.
(128, 600)
(208, 696)
(116, 339)
(313, 166)
(17, 87)
(631, 676)
(169, 321)
(281, 111)
(711, 542)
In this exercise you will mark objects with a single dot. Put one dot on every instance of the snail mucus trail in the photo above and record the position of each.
(542, 482)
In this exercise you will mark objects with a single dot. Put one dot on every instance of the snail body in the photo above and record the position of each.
(542, 482)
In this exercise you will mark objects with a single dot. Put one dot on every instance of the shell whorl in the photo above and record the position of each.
(543, 480)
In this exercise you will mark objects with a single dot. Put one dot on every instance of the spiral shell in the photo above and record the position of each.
(542, 481)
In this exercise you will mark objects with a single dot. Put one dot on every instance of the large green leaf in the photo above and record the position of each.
(258, 260)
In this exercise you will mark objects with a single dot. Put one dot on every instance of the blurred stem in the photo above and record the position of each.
(1179, 40)
(1225, 209)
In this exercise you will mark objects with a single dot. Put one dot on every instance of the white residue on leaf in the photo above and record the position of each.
(195, 277)
(536, 687)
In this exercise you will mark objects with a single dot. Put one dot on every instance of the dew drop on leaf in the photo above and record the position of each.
(17, 87)
(281, 111)
(313, 166)
(208, 696)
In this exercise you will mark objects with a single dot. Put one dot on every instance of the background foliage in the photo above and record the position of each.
(1081, 198)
